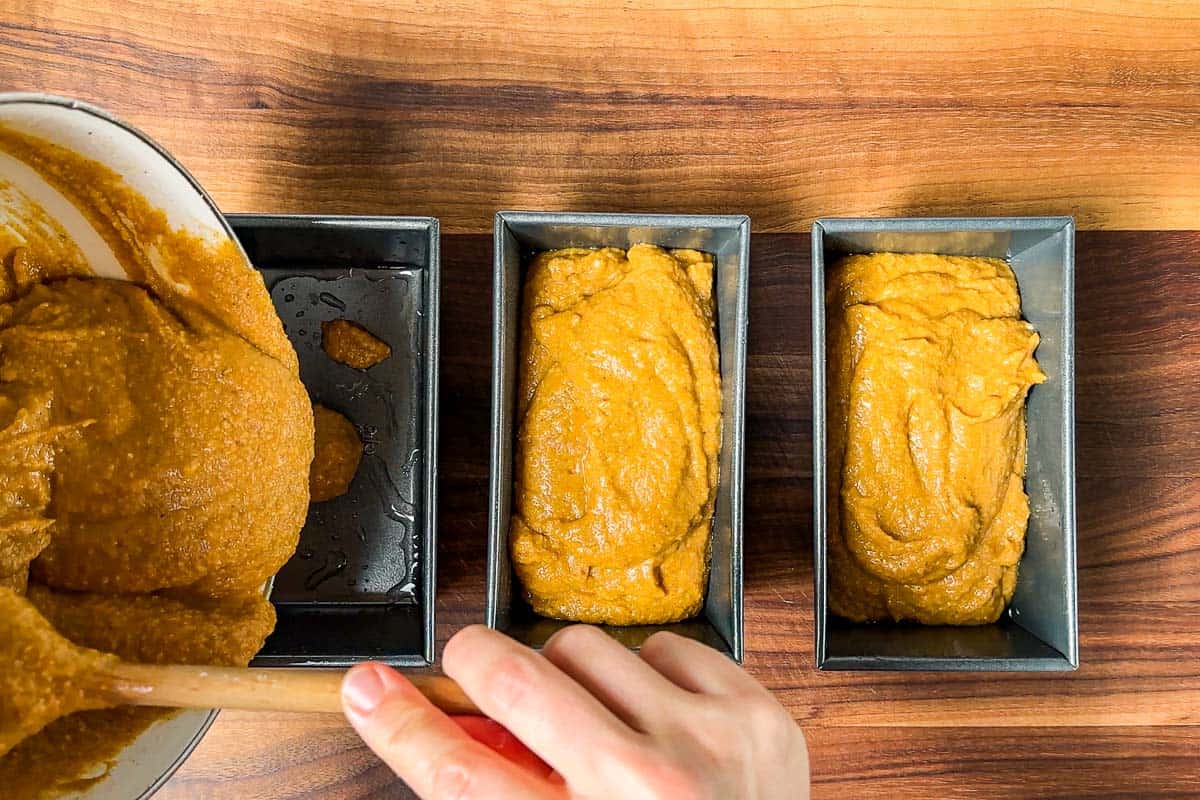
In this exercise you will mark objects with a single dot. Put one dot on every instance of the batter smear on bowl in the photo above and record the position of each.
(929, 365)
(155, 443)
(619, 428)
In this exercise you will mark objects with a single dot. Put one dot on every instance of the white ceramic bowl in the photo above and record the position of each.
(153, 757)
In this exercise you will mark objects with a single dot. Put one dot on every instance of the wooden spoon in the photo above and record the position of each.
(44, 676)
(250, 689)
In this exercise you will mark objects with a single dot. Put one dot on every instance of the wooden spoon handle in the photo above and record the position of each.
(252, 689)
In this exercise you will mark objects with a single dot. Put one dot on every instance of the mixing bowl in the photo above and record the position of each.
(150, 760)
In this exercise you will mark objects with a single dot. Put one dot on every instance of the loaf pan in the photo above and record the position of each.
(1039, 629)
(361, 584)
(519, 235)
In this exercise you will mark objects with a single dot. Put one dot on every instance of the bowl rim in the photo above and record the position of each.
(42, 98)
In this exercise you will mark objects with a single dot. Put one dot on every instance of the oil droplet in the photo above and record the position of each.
(287, 298)
(402, 591)
(411, 464)
(400, 507)
(305, 553)
(300, 313)
(330, 300)
(335, 562)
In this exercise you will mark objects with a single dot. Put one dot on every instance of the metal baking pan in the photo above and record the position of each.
(1039, 630)
(361, 584)
(518, 235)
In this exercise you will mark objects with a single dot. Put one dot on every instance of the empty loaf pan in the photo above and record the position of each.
(519, 235)
(1039, 630)
(361, 584)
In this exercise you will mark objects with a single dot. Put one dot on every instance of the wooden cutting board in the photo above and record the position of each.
(1126, 724)
(784, 112)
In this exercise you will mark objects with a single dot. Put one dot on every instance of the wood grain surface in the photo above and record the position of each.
(786, 112)
(782, 110)
(1127, 724)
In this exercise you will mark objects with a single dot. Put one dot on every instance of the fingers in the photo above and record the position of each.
(626, 684)
(424, 746)
(496, 737)
(546, 709)
(694, 666)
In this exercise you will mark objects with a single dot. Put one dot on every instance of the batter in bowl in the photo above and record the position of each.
(181, 470)
(155, 443)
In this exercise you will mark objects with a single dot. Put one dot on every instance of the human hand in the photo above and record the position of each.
(677, 721)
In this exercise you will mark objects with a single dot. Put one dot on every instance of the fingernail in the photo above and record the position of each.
(362, 691)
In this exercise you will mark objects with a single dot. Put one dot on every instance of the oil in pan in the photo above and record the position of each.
(359, 547)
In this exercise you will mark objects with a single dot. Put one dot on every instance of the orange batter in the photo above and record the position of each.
(41, 674)
(155, 442)
(189, 447)
(619, 415)
(353, 345)
(338, 453)
(929, 364)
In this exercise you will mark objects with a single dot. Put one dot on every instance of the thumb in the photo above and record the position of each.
(424, 746)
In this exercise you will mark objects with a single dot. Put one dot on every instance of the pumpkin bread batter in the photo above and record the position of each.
(353, 345)
(929, 364)
(189, 451)
(155, 443)
(619, 414)
(338, 453)
(41, 674)
(154, 628)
